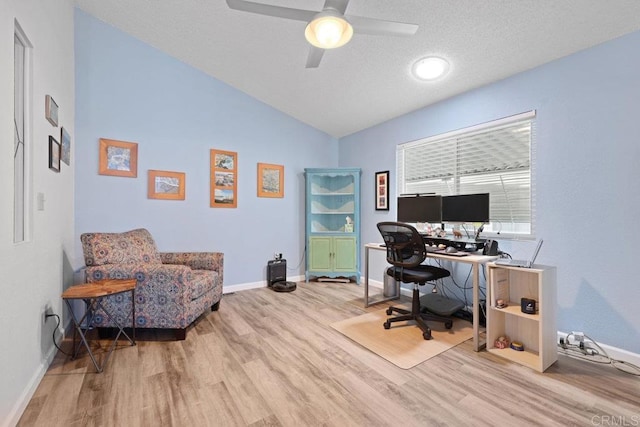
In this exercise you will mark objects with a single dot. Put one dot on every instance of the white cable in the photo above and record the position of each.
(600, 355)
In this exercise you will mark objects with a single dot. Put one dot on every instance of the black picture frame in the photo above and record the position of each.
(382, 191)
(54, 154)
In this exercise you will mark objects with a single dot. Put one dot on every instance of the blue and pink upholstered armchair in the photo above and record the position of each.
(173, 288)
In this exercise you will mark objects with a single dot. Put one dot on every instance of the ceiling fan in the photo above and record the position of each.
(329, 28)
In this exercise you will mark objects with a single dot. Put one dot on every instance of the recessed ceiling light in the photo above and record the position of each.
(430, 68)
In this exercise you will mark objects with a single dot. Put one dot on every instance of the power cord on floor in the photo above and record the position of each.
(580, 346)
(53, 334)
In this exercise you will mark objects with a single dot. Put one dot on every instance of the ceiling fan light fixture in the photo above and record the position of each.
(328, 30)
(430, 68)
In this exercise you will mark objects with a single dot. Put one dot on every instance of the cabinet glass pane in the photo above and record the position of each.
(332, 184)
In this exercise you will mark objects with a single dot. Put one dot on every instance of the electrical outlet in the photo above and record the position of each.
(48, 312)
(578, 336)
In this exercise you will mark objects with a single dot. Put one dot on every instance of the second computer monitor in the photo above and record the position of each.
(466, 208)
(420, 208)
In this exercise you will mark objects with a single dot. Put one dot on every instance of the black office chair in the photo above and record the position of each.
(406, 252)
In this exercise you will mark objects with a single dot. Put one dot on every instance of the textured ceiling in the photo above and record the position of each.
(368, 81)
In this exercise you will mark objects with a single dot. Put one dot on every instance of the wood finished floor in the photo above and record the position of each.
(271, 359)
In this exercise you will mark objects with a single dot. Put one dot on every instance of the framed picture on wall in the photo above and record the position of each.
(270, 180)
(166, 185)
(54, 154)
(118, 158)
(382, 191)
(223, 179)
(65, 142)
(51, 110)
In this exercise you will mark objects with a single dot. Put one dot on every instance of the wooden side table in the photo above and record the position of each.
(92, 295)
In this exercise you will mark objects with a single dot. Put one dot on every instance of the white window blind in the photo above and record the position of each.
(494, 157)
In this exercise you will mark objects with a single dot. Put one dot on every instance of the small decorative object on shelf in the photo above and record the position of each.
(502, 342)
(528, 305)
(348, 227)
(500, 303)
(517, 346)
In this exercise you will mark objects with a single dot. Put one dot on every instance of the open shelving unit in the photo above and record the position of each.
(537, 332)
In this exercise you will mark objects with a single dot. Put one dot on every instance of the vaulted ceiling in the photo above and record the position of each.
(368, 81)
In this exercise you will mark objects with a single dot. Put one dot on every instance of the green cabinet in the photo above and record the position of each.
(332, 254)
(333, 223)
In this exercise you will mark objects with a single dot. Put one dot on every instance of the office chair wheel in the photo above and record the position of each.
(389, 311)
(448, 325)
(427, 335)
(387, 325)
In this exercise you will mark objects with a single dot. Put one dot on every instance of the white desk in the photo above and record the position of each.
(475, 260)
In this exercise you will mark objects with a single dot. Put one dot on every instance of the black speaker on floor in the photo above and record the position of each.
(277, 276)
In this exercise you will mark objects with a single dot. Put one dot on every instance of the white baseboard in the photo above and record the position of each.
(30, 389)
(254, 285)
(613, 352)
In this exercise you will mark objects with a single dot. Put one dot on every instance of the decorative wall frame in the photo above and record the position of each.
(382, 191)
(51, 110)
(65, 142)
(166, 185)
(270, 180)
(223, 178)
(118, 158)
(54, 154)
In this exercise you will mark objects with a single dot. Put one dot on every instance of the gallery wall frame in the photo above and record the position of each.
(51, 110)
(65, 146)
(118, 158)
(382, 191)
(223, 179)
(54, 154)
(166, 185)
(270, 180)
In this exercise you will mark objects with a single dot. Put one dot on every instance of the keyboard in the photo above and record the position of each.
(433, 249)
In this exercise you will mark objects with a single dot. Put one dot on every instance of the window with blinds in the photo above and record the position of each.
(494, 157)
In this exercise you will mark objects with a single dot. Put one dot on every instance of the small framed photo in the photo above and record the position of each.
(118, 158)
(166, 185)
(65, 142)
(223, 179)
(51, 110)
(382, 191)
(54, 154)
(270, 180)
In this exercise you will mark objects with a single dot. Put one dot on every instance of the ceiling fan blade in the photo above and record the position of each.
(315, 55)
(339, 5)
(362, 25)
(271, 10)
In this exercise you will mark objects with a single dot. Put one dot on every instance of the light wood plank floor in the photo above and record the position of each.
(271, 359)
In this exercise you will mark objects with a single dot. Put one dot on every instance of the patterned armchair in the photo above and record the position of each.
(173, 289)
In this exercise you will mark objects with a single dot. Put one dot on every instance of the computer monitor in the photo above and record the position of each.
(420, 208)
(466, 208)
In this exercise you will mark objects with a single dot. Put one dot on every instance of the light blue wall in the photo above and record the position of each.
(587, 177)
(127, 90)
